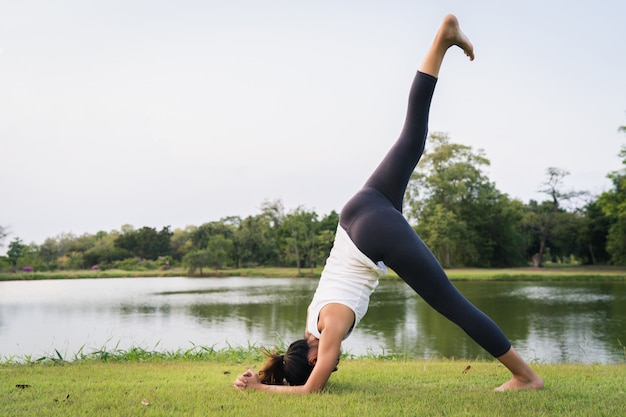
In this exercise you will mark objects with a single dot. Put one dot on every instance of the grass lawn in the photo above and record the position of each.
(362, 387)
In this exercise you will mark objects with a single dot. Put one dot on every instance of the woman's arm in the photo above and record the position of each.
(334, 323)
(328, 354)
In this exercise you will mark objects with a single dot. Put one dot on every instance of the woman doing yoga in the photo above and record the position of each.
(372, 233)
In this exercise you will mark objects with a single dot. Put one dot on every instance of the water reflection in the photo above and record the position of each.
(548, 322)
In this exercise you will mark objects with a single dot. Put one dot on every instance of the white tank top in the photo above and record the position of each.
(349, 278)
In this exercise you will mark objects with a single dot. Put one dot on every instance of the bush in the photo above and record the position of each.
(104, 255)
(5, 265)
(164, 262)
(135, 264)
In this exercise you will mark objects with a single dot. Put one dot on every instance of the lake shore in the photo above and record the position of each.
(548, 273)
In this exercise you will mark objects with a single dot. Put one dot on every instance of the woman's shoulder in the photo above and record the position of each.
(336, 316)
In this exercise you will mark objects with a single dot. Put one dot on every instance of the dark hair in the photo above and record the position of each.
(293, 366)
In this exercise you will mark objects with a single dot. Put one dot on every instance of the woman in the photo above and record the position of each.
(373, 233)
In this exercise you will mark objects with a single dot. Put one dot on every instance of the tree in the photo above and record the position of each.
(548, 225)
(565, 240)
(592, 235)
(274, 213)
(146, 243)
(553, 187)
(216, 254)
(613, 205)
(327, 228)
(219, 249)
(55, 252)
(49, 252)
(196, 259)
(442, 231)
(446, 178)
(181, 242)
(254, 243)
(17, 249)
(200, 236)
(458, 212)
(232, 223)
(104, 252)
(301, 231)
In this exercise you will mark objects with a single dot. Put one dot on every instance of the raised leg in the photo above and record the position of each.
(375, 224)
(393, 173)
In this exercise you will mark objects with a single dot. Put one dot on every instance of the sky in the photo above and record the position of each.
(174, 113)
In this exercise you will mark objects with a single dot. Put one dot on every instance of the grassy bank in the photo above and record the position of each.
(529, 274)
(362, 387)
(547, 273)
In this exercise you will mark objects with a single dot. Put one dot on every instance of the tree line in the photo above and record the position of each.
(450, 201)
(272, 238)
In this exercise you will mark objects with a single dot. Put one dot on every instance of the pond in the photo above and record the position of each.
(547, 322)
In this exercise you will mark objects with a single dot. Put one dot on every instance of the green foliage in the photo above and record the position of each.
(146, 243)
(200, 237)
(5, 264)
(135, 264)
(16, 250)
(105, 256)
(616, 242)
(181, 243)
(254, 243)
(103, 251)
(460, 214)
(72, 260)
(216, 254)
(273, 214)
(552, 228)
(196, 260)
(613, 205)
(301, 231)
(538, 223)
(219, 249)
(592, 235)
(441, 230)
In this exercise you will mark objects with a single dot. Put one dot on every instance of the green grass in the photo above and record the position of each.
(237, 354)
(85, 273)
(173, 272)
(362, 387)
(549, 272)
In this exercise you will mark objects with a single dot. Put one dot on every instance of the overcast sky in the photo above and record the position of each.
(156, 113)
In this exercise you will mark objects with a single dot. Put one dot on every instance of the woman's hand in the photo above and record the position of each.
(247, 380)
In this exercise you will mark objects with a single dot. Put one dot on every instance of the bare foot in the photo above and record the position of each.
(517, 383)
(450, 33)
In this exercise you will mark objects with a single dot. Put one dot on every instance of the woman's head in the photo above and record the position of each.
(292, 367)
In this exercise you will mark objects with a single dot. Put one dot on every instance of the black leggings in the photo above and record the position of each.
(373, 219)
